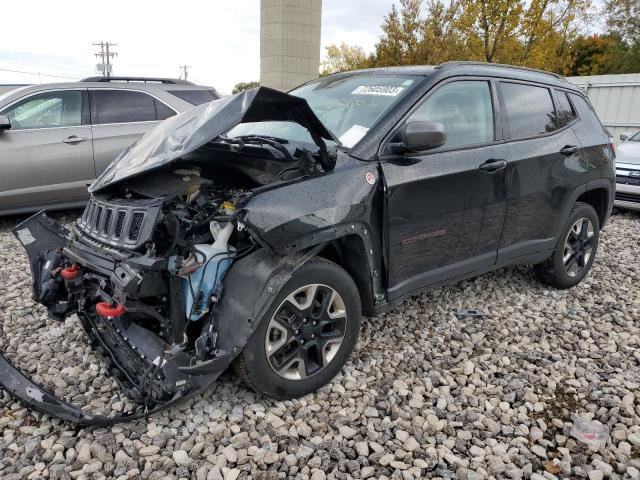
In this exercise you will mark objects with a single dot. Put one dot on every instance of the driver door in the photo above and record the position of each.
(47, 155)
(446, 206)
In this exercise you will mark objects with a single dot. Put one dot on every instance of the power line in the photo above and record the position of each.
(105, 55)
(184, 69)
(38, 74)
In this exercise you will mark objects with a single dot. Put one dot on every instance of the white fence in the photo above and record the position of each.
(616, 99)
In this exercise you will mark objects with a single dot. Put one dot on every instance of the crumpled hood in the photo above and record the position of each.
(188, 131)
(628, 152)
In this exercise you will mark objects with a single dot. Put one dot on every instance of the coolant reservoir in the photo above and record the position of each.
(201, 283)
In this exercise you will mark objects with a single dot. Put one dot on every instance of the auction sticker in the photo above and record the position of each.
(384, 90)
(25, 236)
(371, 178)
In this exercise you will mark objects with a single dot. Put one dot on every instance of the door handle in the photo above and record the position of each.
(569, 150)
(75, 139)
(493, 165)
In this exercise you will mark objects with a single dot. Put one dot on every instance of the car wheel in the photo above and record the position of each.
(307, 334)
(575, 249)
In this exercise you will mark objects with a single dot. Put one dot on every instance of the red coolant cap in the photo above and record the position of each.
(104, 309)
(70, 273)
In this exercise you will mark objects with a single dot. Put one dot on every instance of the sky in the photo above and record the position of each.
(218, 39)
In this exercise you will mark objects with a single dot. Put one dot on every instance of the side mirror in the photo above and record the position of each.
(625, 136)
(5, 123)
(420, 136)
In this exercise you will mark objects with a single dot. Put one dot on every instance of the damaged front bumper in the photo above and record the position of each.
(150, 370)
(147, 370)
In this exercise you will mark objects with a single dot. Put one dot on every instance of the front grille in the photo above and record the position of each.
(121, 223)
(628, 197)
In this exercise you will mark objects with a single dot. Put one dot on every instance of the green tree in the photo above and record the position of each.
(242, 86)
(623, 18)
(536, 33)
(344, 58)
(600, 55)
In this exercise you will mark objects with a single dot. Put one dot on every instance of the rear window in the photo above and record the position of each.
(125, 106)
(195, 97)
(529, 109)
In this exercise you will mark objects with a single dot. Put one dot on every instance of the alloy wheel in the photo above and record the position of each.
(306, 331)
(578, 247)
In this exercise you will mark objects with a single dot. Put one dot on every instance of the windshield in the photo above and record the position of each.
(635, 138)
(347, 106)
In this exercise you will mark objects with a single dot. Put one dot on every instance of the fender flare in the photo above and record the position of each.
(581, 190)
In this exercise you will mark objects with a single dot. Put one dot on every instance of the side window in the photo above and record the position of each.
(162, 111)
(585, 110)
(529, 109)
(565, 114)
(464, 108)
(47, 110)
(124, 106)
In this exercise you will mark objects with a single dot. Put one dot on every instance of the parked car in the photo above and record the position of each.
(56, 138)
(255, 231)
(628, 172)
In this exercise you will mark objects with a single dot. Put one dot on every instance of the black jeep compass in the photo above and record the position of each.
(257, 229)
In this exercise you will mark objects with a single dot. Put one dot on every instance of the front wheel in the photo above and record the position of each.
(307, 334)
(575, 250)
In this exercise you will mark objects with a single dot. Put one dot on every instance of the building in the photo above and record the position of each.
(289, 42)
(616, 100)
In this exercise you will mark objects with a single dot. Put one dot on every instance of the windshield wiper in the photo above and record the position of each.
(265, 138)
(274, 142)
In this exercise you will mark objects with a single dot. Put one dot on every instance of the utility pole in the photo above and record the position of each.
(105, 55)
(184, 71)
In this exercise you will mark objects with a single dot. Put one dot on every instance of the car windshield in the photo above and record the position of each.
(347, 106)
(635, 138)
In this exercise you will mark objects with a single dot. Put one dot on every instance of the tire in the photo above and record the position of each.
(307, 316)
(575, 249)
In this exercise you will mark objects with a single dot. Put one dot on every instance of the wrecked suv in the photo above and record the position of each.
(257, 229)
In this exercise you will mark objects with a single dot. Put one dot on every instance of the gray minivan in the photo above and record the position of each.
(55, 139)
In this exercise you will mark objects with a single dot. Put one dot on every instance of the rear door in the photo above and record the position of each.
(46, 156)
(119, 118)
(542, 147)
(445, 207)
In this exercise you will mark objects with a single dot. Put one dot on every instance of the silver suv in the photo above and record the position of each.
(55, 139)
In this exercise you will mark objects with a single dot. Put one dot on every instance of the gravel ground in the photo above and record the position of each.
(425, 395)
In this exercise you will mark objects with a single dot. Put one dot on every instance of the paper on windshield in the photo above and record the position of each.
(353, 135)
(383, 90)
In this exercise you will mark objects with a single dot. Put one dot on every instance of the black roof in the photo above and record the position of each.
(471, 68)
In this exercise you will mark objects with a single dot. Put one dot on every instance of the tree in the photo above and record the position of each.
(598, 55)
(345, 58)
(535, 33)
(242, 86)
(623, 18)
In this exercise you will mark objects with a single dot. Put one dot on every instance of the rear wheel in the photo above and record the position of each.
(575, 250)
(307, 334)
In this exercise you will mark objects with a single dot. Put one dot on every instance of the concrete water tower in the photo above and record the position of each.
(289, 42)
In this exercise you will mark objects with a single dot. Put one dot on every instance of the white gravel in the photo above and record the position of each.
(426, 395)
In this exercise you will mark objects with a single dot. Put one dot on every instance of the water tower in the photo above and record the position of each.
(289, 42)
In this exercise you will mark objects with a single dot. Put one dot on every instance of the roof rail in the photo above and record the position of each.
(501, 65)
(168, 81)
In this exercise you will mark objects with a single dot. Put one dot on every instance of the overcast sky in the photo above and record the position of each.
(220, 39)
